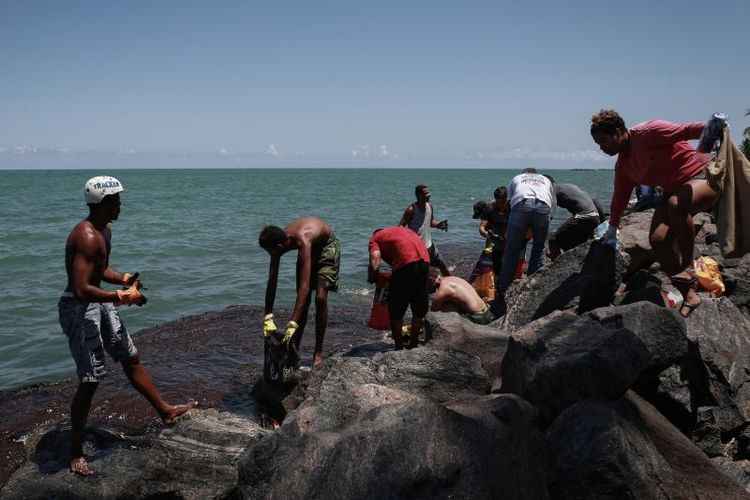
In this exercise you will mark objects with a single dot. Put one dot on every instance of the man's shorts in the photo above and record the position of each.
(573, 232)
(484, 317)
(435, 259)
(93, 328)
(326, 263)
(409, 288)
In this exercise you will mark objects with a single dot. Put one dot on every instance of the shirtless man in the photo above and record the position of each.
(90, 320)
(455, 294)
(318, 258)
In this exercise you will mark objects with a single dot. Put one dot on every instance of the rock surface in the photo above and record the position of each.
(406, 424)
(195, 459)
(585, 277)
(562, 359)
(626, 449)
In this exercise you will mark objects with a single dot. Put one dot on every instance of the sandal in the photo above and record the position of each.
(684, 285)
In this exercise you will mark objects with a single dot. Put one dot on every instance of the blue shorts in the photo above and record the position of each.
(93, 328)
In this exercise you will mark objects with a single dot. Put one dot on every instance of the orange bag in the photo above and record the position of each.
(708, 275)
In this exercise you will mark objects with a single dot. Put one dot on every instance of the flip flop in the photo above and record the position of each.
(684, 285)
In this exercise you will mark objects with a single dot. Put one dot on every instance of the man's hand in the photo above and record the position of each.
(443, 225)
(269, 327)
(291, 329)
(131, 295)
(610, 237)
(130, 279)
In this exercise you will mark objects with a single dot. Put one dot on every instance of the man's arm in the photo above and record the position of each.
(303, 291)
(483, 228)
(408, 214)
(661, 132)
(620, 197)
(273, 277)
(375, 261)
(83, 266)
(443, 224)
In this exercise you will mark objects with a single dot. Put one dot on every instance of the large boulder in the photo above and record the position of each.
(736, 273)
(634, 239)
(195, 459)
(719, 371)
(664, 382)
(585, 277)
(627, 449)
(488, 342)
(562, 359)
(400, 424)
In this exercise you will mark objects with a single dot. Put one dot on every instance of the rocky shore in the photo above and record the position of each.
(588, 388)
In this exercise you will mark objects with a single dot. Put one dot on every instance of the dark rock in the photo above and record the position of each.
(738, 470)
(736, 274)
(626, 449)
(720, 361)
(195, 459)
(585, 277)
(402, 447)
(488, 342)
(562, 359)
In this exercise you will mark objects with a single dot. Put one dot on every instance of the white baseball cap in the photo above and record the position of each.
(100, 186)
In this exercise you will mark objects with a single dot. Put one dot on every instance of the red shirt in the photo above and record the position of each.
(659, 155)
(399, 246)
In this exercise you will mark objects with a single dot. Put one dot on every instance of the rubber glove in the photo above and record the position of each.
(610, 237)
(128, 279)
(130, 296)
(291, 329)
(269, 327)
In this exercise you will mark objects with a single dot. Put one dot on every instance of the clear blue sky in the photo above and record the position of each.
(312, 82)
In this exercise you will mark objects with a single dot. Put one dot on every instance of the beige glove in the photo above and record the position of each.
(130, 296)
(291, 329)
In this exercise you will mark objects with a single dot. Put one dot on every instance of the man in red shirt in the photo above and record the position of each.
(407, 255)
(656, 153)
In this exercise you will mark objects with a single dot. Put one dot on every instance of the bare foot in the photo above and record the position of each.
(171, 416)
(80, 466)
(318, 360)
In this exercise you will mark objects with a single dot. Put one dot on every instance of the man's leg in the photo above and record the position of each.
(515, 243)
(79, 412)
(141, 379)
(321, 321)
(420, 302)
(398, 301)
(662, 241)
(436, 260)
(692, 197)
(539, 227)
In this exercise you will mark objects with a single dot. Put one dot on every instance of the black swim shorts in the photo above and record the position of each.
(409, 288)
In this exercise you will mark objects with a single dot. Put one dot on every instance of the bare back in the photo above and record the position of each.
(89, 248)
(309, 230)
(460, 294)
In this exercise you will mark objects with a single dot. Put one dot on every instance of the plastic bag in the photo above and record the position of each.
(708, 275)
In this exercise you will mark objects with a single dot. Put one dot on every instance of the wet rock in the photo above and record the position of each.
(375, 428)
(562, 359)
(195, 459)
(626, 449)
(585, 277)
(488, 342)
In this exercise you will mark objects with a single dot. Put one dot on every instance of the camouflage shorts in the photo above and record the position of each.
(93, 328)
(326, 266)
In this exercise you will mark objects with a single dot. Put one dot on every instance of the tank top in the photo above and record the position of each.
(420, 223)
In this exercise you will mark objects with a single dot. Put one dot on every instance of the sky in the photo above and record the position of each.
(346, 83)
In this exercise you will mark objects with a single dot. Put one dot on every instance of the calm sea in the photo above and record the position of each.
(192, 234)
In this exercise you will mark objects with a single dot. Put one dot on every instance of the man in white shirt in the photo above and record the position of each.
(531, 198)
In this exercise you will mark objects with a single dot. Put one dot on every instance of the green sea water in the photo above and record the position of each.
(192, 234)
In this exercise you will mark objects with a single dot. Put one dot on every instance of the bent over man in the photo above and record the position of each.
(90, 320)
(318, 260)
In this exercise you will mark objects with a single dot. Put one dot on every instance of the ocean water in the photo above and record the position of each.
(192, 234)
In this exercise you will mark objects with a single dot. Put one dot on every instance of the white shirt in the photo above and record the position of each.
(533, 186)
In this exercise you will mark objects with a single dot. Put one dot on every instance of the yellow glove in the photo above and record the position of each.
(269, 327)
(291, 329)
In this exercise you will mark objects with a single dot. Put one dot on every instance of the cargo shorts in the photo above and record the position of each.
(93, 328)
